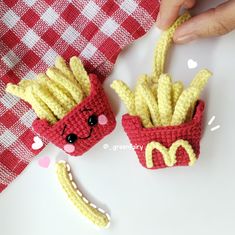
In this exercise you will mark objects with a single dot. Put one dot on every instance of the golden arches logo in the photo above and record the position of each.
(169, 154)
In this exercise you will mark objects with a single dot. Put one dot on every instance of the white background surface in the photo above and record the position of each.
(197, 200)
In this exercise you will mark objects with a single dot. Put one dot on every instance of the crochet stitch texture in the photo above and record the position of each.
(72, 108)
(164, 118)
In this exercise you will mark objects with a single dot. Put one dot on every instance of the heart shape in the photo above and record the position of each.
(192, 64)
(169, 155)
(44, 162)
(37, 143)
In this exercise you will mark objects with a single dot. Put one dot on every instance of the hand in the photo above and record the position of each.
(214, 22)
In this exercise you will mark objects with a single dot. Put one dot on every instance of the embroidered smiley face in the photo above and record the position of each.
(72, 138)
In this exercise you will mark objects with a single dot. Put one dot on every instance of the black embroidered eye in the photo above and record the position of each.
(92, 120)
(71, 138)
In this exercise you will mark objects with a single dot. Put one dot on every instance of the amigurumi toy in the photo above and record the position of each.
(163, 118)
(72, 108)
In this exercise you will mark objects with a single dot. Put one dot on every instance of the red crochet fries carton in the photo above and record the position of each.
(166, 137)
(83, 126)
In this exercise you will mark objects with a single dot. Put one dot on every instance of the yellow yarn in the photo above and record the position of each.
(60, 64)
(63, 97)
(80, 74)
(125, 94)
(184, 104)
(177, 89)
(164, 99)
(69, 85)
(141, 106)
(199, 82)
(54, 94)
(163, 46)
(41, 109)
(149, 98)
(90, 211)
(154, 89)
(169, 155)
(201, 79)
(156, 100)
(50, 100)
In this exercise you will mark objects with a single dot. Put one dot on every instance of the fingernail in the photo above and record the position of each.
(185, 38)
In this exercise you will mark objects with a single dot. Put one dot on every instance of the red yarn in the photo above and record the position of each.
(140, 136)
(76, 122)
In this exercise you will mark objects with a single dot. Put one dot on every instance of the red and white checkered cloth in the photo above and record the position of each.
(34, 32)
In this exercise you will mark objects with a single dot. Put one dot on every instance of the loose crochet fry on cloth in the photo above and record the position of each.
(170, 129)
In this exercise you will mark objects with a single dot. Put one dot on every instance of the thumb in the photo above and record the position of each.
(214, 22)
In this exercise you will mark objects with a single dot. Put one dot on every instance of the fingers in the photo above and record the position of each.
(214, 22)
(169, 11)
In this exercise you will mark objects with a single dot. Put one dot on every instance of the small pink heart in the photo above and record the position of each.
(44, 162)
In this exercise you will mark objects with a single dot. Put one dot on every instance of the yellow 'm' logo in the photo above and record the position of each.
(169, 155)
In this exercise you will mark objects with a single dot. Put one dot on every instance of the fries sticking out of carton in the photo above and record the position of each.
(159, 107)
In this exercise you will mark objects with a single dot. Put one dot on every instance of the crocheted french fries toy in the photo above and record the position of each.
(96, 215)
(72, 108)
(163, 116)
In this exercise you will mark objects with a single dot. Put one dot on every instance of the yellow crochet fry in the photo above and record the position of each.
(164, 99)
(126, 95)
(60, 64)
(54, 94)
(177, 89)
(199, 82)
(150, 81)
(149, 98)
(40, 108)
(169, 155)
(201, 79)
(71, 86)
(21, 89)
(17, 91)
(163, 46)
(142, 79)
(167, 103)
(50, 100)
(90, 211)
(80, 74)
(186, 100)
(154, 89)
(26, 93)
(141, 107)
(63, 97)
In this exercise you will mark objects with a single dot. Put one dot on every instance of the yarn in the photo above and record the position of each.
(64, 98)
(58, 90)
(166, 136)
(162, 117)
(169, 155)
(167, 102)
(96, 215)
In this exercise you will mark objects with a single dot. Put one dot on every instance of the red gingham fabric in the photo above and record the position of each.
(33, 32)
(140, 136)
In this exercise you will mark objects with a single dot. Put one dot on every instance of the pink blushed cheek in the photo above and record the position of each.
(102, 119)
(69, 148)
